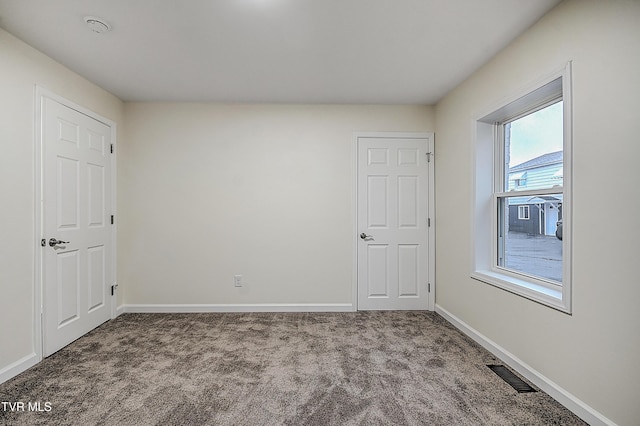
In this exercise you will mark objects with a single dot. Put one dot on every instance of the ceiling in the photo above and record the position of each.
(275, 51)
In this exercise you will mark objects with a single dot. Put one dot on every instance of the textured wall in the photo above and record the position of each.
(265, 191)
(22, 68)
(593, 353)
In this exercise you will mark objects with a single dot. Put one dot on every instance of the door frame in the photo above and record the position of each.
(38, 282)
(431, 230)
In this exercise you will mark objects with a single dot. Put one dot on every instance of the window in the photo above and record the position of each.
(531, 141)
(521, 227)
(523, 212)
(517, 180)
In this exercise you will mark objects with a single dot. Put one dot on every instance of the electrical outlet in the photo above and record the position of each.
(237, 280)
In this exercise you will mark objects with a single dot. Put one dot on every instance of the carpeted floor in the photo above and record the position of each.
(365, 368)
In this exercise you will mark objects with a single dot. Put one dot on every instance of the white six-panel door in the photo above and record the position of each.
(76, 186)
(392, 223)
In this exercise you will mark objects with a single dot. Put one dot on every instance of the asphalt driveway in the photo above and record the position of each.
(539, 255)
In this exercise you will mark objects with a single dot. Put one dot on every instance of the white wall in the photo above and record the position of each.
(21, 68)
(265, 191)
(594, 353)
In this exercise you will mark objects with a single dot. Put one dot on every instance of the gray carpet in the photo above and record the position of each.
(365, 368)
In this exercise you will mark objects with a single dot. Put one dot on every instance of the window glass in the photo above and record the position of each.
(528, 241)
(533, 150)
(529, 237)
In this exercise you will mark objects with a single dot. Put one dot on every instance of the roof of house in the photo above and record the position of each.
(543, 160)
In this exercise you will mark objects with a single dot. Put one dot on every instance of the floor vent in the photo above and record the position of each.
(511, 378)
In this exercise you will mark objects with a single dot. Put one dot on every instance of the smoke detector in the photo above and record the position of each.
(97, 25)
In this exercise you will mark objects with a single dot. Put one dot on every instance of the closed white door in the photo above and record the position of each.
(393, 240)
(76, 186)
(551, 214)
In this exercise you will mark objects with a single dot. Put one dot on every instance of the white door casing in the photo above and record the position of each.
(394, 259)
(76, 195)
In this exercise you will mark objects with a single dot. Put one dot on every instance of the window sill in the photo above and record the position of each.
(529, 289)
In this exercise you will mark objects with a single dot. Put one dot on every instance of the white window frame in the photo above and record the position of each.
(487, 174)
(523, 212)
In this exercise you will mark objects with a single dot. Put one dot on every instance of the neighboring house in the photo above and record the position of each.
(536, 215)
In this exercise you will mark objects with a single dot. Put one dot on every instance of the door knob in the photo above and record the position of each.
(365, 236)
(53, 242)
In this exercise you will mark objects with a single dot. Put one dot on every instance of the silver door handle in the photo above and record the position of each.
(365, 236)
(53, 242)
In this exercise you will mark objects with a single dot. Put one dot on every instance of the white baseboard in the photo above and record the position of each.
(565, 398)
(18, 367)
(244, 307)
(120, 310)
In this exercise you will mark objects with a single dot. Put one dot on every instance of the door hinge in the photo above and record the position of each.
(429, 154)
(112, 148)
(428, 287)
(112, 219)
(429, 222)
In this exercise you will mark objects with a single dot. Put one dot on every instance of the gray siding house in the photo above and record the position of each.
(536, 215)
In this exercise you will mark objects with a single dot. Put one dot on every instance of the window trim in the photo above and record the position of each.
(526, 213)
(485, 175)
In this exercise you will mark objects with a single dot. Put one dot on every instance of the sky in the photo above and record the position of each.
(536, 134)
